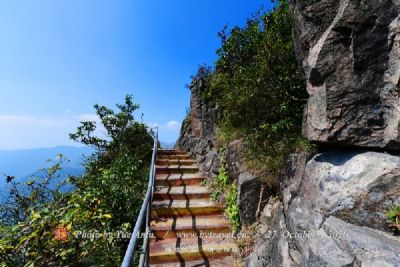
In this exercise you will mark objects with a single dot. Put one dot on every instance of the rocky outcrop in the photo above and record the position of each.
(199, 128)
(331, 212)
(349, 51)
(198, 138)
(331, 207)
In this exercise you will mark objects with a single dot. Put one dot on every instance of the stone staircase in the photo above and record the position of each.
(189, 228)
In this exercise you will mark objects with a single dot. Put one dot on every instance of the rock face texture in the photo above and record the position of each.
(198, 130)
(198, 138)
(249, 197)
(349, 51)
(331, 212)
(251, 192)
(331, 209)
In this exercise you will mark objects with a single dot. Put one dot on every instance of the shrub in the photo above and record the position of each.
(393, 216)
(259, 91)
(232, 209)
(106, 200)
(224, 188)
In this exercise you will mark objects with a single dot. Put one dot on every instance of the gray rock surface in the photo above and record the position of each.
(250, 189)
(332, 212)
(198, 137)
(273, 247)
(349, 51)
(249, 196)
(198, 130)
(234, 160)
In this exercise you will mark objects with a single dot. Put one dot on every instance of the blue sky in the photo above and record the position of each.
(58, 58)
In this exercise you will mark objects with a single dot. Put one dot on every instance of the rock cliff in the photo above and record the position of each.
(349, 53)
(330, 210)
(199, 129)
(198, 138)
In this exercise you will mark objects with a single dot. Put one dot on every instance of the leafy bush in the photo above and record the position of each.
(226, 191)
(104, 203)
(259, 90)
(393, 216)
(257, 80)
(223, 177)
(219, 185)
(232, 209)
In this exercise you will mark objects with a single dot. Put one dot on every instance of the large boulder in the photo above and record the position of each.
(349, 51)
(332, 213)
(249, 197)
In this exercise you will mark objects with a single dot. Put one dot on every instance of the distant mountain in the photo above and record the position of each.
(62, 175)
(24, 163)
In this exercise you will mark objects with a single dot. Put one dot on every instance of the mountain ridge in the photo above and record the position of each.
(25, 163)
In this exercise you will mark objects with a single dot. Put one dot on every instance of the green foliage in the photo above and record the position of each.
(272, 153)
(223, 178)
(31, 194)
(232, 209)
(215, 194)
(224, 188)
(259, 90)
(126, 135)
(393, 216)
(104, 202)
(257, 80)
(220, 182)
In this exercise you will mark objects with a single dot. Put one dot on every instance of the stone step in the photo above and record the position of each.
(179, 179)
(170, 152)
(190, 226)
(177, 169)
(181, 192)
(190, 249)
(175, 162)
(172, 157)
(172, 208)
(222, 262)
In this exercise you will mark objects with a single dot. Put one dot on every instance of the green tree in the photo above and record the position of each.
(259, 90)
(105, 200)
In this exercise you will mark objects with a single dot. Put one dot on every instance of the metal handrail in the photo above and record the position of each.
(145, 210)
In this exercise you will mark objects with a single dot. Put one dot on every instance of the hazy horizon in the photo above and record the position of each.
(59, 58)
